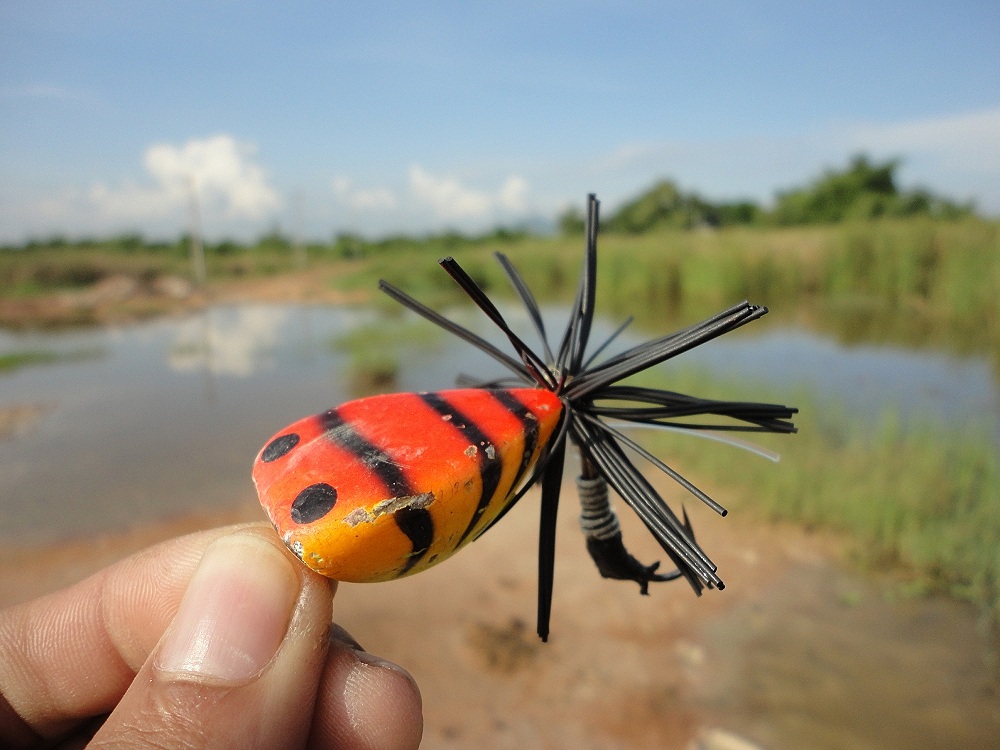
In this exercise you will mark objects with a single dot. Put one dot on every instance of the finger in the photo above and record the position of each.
(71, 655)
(240, 663)
(365, 701)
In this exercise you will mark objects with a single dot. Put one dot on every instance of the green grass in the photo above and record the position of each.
(381, 336)
(41, 269)
(915, 281)
(923, 500)
(376, 352)
(12, 361)
(17, 360)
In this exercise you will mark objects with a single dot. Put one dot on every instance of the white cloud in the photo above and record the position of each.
(377, 199)
(513, 195)
(222, 171)
(429, 202)
(451, 201)
(232, 190)
(447, 197)
(235, 342)
(969, 141)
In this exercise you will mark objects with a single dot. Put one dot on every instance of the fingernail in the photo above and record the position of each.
(234, 614)
(337, 633)
(377, 661)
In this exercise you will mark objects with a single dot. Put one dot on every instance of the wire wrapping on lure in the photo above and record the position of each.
(597, 518)
(590, 394)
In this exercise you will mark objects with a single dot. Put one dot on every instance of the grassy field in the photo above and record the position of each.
(944, 271)
(915, 282)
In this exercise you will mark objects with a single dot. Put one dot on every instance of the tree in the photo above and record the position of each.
(660, 204)
(665, 204)
(571, 221)
(865, 190)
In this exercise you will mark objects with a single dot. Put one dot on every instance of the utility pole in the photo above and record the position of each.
(197, 251)
(298, 245)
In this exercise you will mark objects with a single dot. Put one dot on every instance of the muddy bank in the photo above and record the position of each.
(796, 652)
(121, 298)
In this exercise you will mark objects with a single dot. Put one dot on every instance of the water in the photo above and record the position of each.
(867, 381)
(160, 418)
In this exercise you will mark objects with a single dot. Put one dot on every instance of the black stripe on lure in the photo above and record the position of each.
(387, 486)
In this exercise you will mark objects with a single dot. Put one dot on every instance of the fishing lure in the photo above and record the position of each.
(387, 486)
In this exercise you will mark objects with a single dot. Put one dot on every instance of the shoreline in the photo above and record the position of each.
(121, 298)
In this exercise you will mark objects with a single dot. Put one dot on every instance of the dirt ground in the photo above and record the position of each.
(797, 652)
(120, 298)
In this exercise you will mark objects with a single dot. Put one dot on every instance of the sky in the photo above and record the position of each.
(318, 118)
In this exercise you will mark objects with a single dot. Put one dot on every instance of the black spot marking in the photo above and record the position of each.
(418, 526)
(279, 447)
(314, 502)
(343, 434)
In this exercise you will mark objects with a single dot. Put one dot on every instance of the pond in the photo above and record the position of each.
(144, 421)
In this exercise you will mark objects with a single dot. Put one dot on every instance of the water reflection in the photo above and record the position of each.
(237, 341)
(168, 420)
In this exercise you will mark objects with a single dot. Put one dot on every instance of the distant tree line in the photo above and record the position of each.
(864, 190)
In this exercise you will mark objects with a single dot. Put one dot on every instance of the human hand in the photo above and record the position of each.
(218, 639)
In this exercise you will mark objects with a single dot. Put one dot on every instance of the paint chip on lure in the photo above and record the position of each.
(387, 486)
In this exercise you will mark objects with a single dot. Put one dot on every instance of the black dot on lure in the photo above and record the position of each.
(593, 393)
(314, 502)
(279, 447)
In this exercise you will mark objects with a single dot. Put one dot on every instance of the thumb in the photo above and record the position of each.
(239, 664)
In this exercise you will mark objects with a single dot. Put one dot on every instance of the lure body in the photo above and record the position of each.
(386, 486)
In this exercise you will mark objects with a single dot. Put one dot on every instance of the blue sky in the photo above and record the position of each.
(394, 116)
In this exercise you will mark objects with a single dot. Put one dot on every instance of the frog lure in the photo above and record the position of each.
(387, 486)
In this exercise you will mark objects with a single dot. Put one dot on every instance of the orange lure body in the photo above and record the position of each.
(386, 486)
